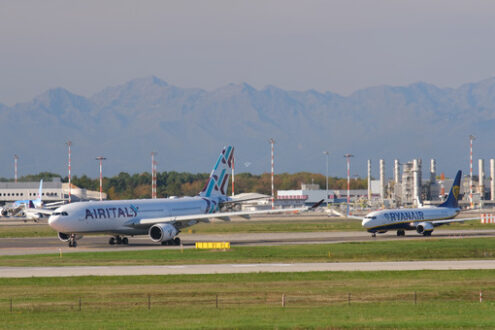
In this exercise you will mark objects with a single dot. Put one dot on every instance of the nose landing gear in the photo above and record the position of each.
(72, 240)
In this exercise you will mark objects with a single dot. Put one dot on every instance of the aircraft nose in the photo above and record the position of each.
(366, 223)
(52, 221)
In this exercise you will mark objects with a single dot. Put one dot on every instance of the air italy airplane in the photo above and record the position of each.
(161, 219)
(423, 220)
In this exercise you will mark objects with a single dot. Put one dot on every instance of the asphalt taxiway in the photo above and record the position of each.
(46, 245)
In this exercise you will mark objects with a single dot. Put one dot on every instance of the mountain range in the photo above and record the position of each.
(188, 126)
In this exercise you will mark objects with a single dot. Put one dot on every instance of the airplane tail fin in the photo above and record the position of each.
(40, 190)
(218, 182)
(452, 199)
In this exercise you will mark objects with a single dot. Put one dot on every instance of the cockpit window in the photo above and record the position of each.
(60, 213)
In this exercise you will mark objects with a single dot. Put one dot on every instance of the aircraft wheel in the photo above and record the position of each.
(164, 242)
(125, 241)
(119, 240)
(74, 244)
(401, 233)
(177, 241)
(111, 241)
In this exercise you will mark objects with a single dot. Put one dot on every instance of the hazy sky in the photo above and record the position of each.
(337, 46)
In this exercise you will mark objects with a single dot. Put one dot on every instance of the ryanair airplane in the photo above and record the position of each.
(423, 220)
(161, 219)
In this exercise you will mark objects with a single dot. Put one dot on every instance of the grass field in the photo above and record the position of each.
(264, 226)
(431, 249)
(444, 299)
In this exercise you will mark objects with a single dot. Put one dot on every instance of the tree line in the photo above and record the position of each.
(127, 186)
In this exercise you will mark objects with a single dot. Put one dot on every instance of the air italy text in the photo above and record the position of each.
(111, 212)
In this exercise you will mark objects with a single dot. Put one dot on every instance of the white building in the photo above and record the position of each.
(311, 193)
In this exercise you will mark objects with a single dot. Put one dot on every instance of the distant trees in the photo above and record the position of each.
(126, 186)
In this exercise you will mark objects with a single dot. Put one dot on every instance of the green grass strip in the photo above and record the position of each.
(430, 249)
(408, 299)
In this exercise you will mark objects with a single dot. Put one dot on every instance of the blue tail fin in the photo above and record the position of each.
(219, 177)
(453, 197)
(40, 191)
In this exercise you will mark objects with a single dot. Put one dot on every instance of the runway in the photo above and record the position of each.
(18, 272)
(47, 245)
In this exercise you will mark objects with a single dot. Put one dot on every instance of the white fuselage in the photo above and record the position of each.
(122, 216)
(383, 220)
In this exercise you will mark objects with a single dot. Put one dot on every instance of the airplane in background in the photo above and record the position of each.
(161, 219)
(19, 206)
(423, 219)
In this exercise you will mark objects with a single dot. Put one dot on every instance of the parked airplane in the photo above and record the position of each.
(423, 219)
(18, 206)
(161, 219)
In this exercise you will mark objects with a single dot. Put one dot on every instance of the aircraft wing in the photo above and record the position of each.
(340, 214)
(199, 217)
(442, 222)
(40, 210)
(245, 197)
(353, 217)
(54, 205)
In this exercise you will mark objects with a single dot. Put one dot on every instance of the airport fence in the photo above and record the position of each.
(228, 300)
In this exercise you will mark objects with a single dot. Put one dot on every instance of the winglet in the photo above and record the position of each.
(315, 205)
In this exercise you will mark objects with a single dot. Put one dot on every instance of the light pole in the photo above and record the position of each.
(69, 144)
(272, 142)
(15, 167)
(348, 157)
(153, 175)
(326, 196)
(101, 159)
(471, 139)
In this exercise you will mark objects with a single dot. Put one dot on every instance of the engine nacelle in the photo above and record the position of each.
(162, 232)
(66, 237)
(423, 227)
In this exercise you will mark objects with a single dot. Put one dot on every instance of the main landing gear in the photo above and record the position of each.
(401, 232)
(118, 240)
(72, 240)
(175, 241)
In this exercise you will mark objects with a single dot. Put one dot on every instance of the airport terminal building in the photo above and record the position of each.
(52, 191)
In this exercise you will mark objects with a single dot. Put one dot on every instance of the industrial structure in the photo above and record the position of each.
(406, 188)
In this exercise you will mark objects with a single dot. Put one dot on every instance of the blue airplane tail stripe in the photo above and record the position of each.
(217, 183)
(452, 199)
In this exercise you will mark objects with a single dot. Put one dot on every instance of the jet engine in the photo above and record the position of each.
(162, 232)
(66, 237)
(424, 227)
(34, 215)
